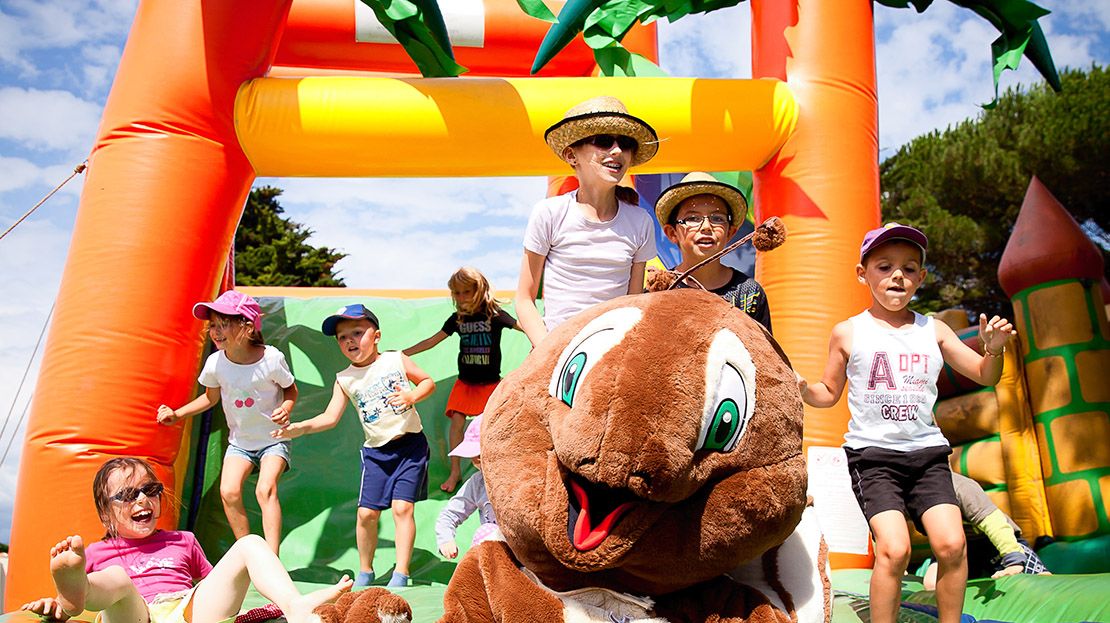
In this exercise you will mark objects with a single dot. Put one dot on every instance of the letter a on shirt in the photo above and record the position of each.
(881, 372)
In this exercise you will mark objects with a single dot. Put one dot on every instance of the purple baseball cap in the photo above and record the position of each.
(892, 231)
(232, 303)
(348, 312)
(470, 446)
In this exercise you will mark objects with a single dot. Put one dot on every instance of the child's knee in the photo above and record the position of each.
(402, 510)
(949, 548)
(894, 552)
(231, 493)
(368, 515)
(265, 492)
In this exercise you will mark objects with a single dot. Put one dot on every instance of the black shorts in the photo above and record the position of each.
(910, 482)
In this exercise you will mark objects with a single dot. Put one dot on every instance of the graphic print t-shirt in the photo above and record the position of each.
(165, 562)
(744, 293)
(892, 385)
(369, 387)
(479, 345)
(249, 393)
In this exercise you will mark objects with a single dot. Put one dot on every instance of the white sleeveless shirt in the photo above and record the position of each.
(892, 385)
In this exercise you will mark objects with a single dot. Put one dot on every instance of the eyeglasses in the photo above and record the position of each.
(694, 222)
(127, 495)
(605, 141)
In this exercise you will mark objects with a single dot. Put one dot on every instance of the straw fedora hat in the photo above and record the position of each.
(698, 183)
(602, 115)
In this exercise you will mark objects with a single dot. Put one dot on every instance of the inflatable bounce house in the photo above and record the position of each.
(210, 95)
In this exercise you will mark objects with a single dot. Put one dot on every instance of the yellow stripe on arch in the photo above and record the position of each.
(477, 127)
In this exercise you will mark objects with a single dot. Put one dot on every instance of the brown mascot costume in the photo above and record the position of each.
(645, 465)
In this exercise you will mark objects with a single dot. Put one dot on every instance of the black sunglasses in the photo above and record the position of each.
(605, 141)
(130, 494)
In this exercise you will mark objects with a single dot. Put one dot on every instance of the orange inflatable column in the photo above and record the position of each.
(165, 189)
(823, 183)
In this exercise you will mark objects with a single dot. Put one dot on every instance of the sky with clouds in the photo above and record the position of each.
(57, 62)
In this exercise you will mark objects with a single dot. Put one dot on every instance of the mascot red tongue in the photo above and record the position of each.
(643, 452)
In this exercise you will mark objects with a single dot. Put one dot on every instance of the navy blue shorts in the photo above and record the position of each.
(396, 471)
(911, 482)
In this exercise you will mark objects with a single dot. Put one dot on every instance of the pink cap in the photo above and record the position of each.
(470, 446)
(232, 303)
(893, 231)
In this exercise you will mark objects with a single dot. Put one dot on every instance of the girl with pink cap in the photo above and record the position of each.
(470, 498)
(258, 393)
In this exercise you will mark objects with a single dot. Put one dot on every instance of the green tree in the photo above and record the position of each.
(271, 250)
(963, 187)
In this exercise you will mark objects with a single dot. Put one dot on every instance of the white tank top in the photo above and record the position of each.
(369, 388)
(892, 385)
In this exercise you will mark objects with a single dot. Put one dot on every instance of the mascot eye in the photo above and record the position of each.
(726, 424)
(583, 352)
(730, 394)
(572, 372)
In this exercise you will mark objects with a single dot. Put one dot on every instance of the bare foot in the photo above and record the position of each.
(300, 611)
(451, 482)
(67, 566)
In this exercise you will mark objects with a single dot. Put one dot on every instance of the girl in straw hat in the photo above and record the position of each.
(592, 244)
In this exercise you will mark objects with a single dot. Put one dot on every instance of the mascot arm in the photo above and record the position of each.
(488, 587)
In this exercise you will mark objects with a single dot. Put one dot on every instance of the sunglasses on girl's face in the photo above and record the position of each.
(130, 494)
(605, 141)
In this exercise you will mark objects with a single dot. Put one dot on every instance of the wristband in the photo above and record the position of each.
(988, 353)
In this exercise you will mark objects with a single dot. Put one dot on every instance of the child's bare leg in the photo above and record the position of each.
(366, 537)
(266, 491)
(404, 527)
(892, 554)
(109, 591)
(944, 525)
(234, 474)
(454, 437)
(250, 559)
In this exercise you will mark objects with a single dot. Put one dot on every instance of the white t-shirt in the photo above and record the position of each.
(587, 262)
(249, 393)
(892, 385)
(369, 388)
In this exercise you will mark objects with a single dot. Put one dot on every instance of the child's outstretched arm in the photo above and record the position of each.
(417, 376)
(459, 507)
(985, 369)
(325, 421)
(207, 400)
(425, 344)
(825, 393)
(527, 287)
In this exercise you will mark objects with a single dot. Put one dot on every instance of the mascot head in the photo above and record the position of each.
(648, 444)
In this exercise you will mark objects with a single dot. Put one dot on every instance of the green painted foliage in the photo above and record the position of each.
(964, 186)
(418, 25)
(271, 250)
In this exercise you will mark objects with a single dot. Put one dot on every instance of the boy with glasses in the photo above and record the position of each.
(701, 215)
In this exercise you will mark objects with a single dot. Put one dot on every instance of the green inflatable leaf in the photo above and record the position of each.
(419, 27)
(536, 9)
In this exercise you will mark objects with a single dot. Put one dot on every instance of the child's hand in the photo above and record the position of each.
(1011, 570)
(280, 416)
(286, 433)
(449, 550)
(995, 333)
(166, 415)
(802, 384)
(47, 607)
(401, 399)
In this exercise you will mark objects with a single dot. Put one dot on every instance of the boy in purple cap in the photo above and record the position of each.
(889, 356)
(395, 453)
(258, 393)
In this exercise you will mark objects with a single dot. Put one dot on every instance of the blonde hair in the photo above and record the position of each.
(254, 337)
(483, 303)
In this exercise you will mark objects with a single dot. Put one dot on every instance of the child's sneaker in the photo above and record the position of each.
(398, 579)
(364, 579)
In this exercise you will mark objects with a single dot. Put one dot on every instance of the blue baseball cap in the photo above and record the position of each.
(348, 312)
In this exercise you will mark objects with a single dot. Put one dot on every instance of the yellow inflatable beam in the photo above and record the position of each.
(473, 127)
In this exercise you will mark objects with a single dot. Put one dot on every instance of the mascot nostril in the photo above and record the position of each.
(645, 464)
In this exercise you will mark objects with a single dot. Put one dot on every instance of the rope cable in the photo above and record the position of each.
(76, 170)
(19, 389)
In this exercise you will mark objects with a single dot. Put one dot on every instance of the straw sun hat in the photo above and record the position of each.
(698, 183)
(602, 115)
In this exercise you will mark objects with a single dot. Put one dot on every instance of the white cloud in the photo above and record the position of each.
(715, 45)
(28, 26)
(54, 119)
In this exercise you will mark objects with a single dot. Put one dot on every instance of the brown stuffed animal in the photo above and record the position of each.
(371, 605)
(648, 447)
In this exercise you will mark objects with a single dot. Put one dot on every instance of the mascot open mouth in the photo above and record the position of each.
(593, 511)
